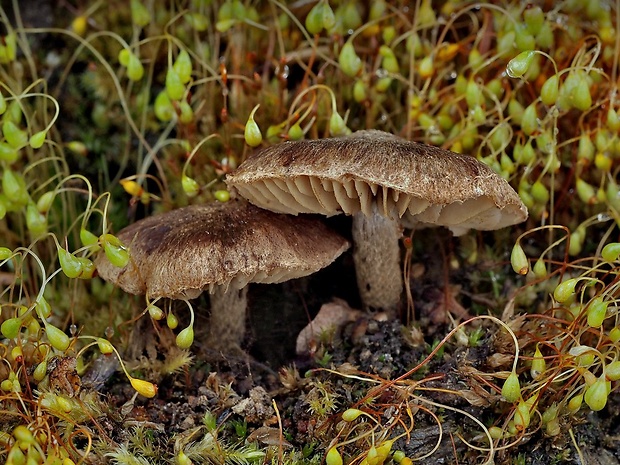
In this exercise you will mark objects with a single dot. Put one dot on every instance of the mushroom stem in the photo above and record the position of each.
(376, 255)
(227, 320)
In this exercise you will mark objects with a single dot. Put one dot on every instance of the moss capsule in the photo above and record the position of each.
(518, 260)
(603, 162)
(545, 38)
(135, 70)
(45, 202)
(144, 388)
(10, 327)
(538, 364)
(351, 414)
(511, 390)
(14, 187)
(183, 459)
(519, 65)
(473, 94)
(337, 126)
(8, 154)
(611, 252)
(186, 115)
(574, 404)
(612, 371)
(88, 239)
(582, 99)
(565, 290)
(252, 133)
(550, 90)
(221, 195)
(522, 416)
(185, 338)
(529, 121)
(523, 39)
(37, 139)
(172, 321)
(40, 371)
(314, 19)
(155, 312)
(139, 13)
(389, 61)
(5, 253)
(69, 263)
(515, 110)
(613, 121)
(14, 136)
(43, 308)
(597, 311)
(164, 111)
(586, 192)
(333, 457)
(123, 56)
(190, 186)
(350, 62)
(35, 221)
(540, 193)
(114, 250)
(596, 395)
(105, 346)
(540, 269)
(183, 66)
(295, 132)
(534, 18)
(174, 86)
(57, 338)
(118, 256)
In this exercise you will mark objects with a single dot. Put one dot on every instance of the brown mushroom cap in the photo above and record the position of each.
(419, 183)
(180, 253)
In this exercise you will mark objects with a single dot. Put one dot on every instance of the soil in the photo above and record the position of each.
(311, 391)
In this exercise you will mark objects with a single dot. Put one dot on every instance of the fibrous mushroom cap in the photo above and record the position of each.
(180, 253)
(419, 183)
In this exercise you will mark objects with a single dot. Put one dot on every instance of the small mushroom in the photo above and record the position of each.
(220, 247)
(384, 182)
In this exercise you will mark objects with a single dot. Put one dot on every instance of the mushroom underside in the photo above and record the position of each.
(378, 214)
(311, 194)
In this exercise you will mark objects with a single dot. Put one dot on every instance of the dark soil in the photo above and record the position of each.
(311, 392)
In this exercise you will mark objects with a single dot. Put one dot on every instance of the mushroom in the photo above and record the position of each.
(379, 179)
(220, 247)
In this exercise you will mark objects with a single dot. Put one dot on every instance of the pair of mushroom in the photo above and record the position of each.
(383, 181)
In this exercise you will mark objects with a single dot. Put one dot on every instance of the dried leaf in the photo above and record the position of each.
(331, 317)
(475, 399)
(268, 436)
